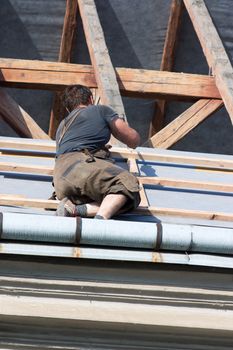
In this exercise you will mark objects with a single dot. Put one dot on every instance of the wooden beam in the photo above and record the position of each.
(183, 124)
(69, 31)
(202, 162)
(133, 168)
(18, 118)
(105, 75)
(206, 215)
(26, 168)
(65, 54)
(213, 49)
(132, 82)
(167, 60)
(104, 72)
(52, 204)
(10, 200)
(179, 183)
(158, 181)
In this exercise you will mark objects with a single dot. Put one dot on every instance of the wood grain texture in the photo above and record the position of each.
(141, 210)
(105, 75)
(213, 49)
(18, 118)
(179, 183)
(104, 72)
(132, 82)
(167, 61)
(158, 181)
(65, 55)
(133, 168)
(202, 162)
(183, 124)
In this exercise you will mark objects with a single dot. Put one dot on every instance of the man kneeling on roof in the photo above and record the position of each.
(86, 180)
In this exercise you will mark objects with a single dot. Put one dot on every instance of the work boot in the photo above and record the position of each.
(66, 208)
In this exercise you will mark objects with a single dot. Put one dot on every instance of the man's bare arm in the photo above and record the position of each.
(125, 133)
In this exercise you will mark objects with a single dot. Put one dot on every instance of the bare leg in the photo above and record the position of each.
(92, 209)
(111, 204)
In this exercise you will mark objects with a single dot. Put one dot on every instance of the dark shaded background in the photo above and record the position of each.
(134, 32)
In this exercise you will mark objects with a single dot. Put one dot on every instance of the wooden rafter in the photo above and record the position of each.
(183, 124)
(65, 54)
(167, 60)
(105, 75)
(104, 72)
(213, 49)
(18, 118)
(132, 82)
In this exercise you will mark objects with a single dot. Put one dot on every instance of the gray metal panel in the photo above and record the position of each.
(190, 199)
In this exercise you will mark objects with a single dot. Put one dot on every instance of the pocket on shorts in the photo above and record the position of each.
(129, 181)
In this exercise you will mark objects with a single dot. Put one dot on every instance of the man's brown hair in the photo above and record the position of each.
(75, 95)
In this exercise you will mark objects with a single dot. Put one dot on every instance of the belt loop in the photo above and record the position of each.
(90, 155)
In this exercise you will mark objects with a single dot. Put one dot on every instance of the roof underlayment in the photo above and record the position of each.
(191, 203)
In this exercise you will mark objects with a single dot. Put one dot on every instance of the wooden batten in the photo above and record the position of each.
(14, 200)
(167, 60)
(65, 54)
(18, 118)
(183, 124)
(205, 162)
(133, 168)
(213, 49)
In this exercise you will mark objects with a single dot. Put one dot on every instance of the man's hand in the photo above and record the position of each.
(124, 133)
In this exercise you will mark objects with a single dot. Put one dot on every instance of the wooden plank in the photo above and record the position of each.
(104, 72)
(202, 162)
(69, 31)
(18, 118)
(22, 144)
(183, 124)
(26, 168)
(133, 168)
(10, 200)
(66, 48)
(167, 182)
(206, 215)
(179, 183)
(105, 75)
(52, 204)
(167, 60)
(171, 35)
(213, 49)
(132, 82)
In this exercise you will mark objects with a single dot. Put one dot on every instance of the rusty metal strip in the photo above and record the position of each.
(159, 236)
(78, 231)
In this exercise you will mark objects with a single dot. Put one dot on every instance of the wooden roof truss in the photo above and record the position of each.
(209, 93)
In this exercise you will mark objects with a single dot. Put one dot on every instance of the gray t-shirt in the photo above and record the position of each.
(89, 130)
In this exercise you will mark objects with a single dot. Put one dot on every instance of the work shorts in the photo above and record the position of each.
(84, 182)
